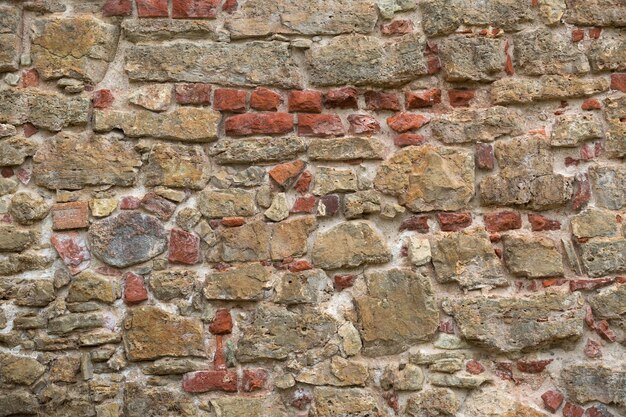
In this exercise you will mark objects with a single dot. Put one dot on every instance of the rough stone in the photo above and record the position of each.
(90, 286)
(14, 239)
(541, 51)
(586, 382)
(334, 180)
(344, 402)
(15, 150)
(615, 141)
(360, 203)
(547, 87)
(594, 222)
(20, 370)
(142, 30)
(177, 166)
(301, 287)
(248, 407)
(571, 130)
(226, 203)
(608, 54)
(435, 402)
(155, 97)
(532, 257)
(250, 242)
(28, 208)
(337, 372)
(345, 149)
(257, 150)
(596, 13)
(289, 237)
(608, 185)
(472, 58)
(476, 125)
(246, 282)
(147, 401)
(603, 256)
(170, 284)
(18, 401)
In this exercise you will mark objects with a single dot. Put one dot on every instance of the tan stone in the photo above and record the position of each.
(90, 286)
(532, 256)
(337, 372)
(177, 166)
(346, 149)
(20, 370)
(330, 402)
(548, 87)
(246, 282)
(289, 237)
(250, 242)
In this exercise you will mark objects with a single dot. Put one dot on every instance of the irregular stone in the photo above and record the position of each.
(467, 257)
(87, 58)
(155, 97)
(20, 370)
(152, 333)
(276, 332)
(547, 87)
(351, 340)
(334, 180)
(541, 51)
(457, 381)
(337, 372)
(519, 323)
(102, 207)
(28, 208)
(571, 130)
(435, 402)
(257, 150)
(615, 142)
(419, 250)
(532, 257)
(14, 150)
(471, 58)
(14, 239)
(289, 238)
(246, 282)
(127, 239)
(18, 402)
(215, 62)
(249, 242)
(289, 17)
(344, 402)
(596, 13)
(226, 203)
(142, 30)
(348, 245)
(18, 263)
(348, 59)
(72, 162)
(609, 303)
(28, 292)
(301, 287)
(360, 203)
(594, 222)
(69, 323)
(476, 125)
(248, 406)
(603, 256)
(586, 382)
(90, 286)
(185, 124)
(9, 37)
(387, 8)
(551, 11)
(608, 54)
(345, 149)
(427, 178)
(147, 401)
(174, 366)
(279, 209)
(398, 311)
(170, 284)
(495, 404)
(608, 184)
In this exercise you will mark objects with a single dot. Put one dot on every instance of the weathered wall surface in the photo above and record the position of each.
(247, 208)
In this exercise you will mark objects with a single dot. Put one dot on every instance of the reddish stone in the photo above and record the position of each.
(301, 399)
(134, 288)
(484, 156)
(508, 65)
(152, 8)
(397, 27)
(474, 367)
(322, 125)
(453, 222)
(539, 223)
(578, 35)
(504, 370)
(587, 152)
(603, 329)
(392, 400)
(230, 100)
(589, 284)
(533, 367)
(582, 192)
(158, 206)
(193, 93)
(72, 248)
(130, 203)
(572, 410)
(219, 359)
(304, 182)
(599, 411)
(300, 265)
(29, 129)
(594, 33)
(259, 124)
(222, 322)
(422, 99)
(363, 124)
(342, 98)
(30, 78)
(253, 379)
(591, 104)
(378, 100)
(416, 224)
(341, 282)
(307, 101)
(408, 139)
(102, 99)
(182, 9)
(304, 205)
(117, 8)
(184, 247)
(403, 122)
(265, 99)
(431, 53)
(552, 282)
(461, 98)
(285, 174)
(7, 172)
(328, 205)
(569, 161)
(233, 221)
(447, 327)
(502, 221)
(592, 349)
(552, 400)
(74, 215)
(204, 381)
(618, 82)
(230, 6)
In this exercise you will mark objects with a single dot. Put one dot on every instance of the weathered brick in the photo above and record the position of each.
(363, 124)
(182, 9)
(74, 215)
(264, 99)
(259, 124)
(152, 8)
(403, 122)
(422, 99)
(193, 93)
(379, 100)
(306, 101)
(321, 125)
(229, 100)
(342, 98)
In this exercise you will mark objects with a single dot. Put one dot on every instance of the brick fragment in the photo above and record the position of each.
(408, 139)
(205, 381)
(304, 182)
(578, 35)
(184, 247)
(72, 248)
(539, 223)
(117, 8)
(416, 224)
(403, 122)
(342, 98)
(182, 9)
(328, 205)
(572, 410)
(285, 174)
(134, 288)
(533, 367)
(299, 266)
(397, 27)
(484, 156)
(592, 350)
(193, 93)
(306, 101)
(253, 379)
(304, 205)
(502, 221)
(422, 99)
(594, 33)
(73, 215)
(264, 99)
(378, 100)
(259, 124)
(102, 99)
(29, 78)
(230, 100)
(222, 322)
(461, 98)
(599, 411)
(152, 8)
(233, 221)
(552, 400)
(474, 367)
(618, 82)
(322, 125)
(591, 104)
(453, 222)
(130, 203)
(158, 205)
(341, 282)
(230, 6)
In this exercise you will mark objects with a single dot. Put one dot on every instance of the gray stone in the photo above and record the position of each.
(14, 150)
(572, 129)
(334, 180)
(596, 13)
(608, 54)
(603, 256)
(476, 125)
(434, 402)
(472, 58)
(215, 62)
(594, 222)
(541, 51)
(457, 381)
(28, 292)
(174, 366)
(69, 323)
(170, 284)
(247, 282)
(532, 256)
(608, 184)
(17, 263)
(301, 287)
(614, 112)
(512, 90)
(279, 209)
(142, 30)
(419, 250)
(609, 303)
(7, 186)
(226, 203)
(585, 382)
(249, 406)
(127, 239)
(9, 37)
(257, 150)
(345, 149)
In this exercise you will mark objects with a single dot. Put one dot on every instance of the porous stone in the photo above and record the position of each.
(608, 185)
(9, 37)
(594, 222)
(330, 401)
(226, 203)
(14, 150)
(532, 257)
(476, 125)
(20, 370)
(289, 238)
(435, 402)
(345, 149)
(337, 372)
(571, 130)
(302, 287)
(248, 407)
(334, 180)
(90, 286)
(360, 203)
(615, 141)
(596, 13)
(142, 30)
(177, 166)
(257, 150)
(603, 256)
(547, 87)
(18, 401)
(472, 58)
(608, 54)
(155, 97)
(586, 382)
(250, 242)
(14, 239)
(170, 284)
(246, 282)
(154, 401)
(541, 51)
(28, 208)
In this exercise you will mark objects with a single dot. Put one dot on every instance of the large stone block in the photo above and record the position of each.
(476, 125)
(9, 38)
(608, 54)
(603, 382)
(548, 87)
(542, 51)
(596, 13)
(257, 150)
(472, 58)
(246, 282)
(532, 257)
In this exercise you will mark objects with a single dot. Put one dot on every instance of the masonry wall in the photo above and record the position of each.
(267, 208)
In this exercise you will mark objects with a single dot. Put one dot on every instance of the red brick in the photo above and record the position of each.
(304, 205)
(589, 284)
(29, 129)
(533, 367)
(74, 215)
(130, 203)
(363, 124)
(259, 124)
(460, 98)
(508, 65)
(603, 329)
(618, 82)
(594, 33)
(431, 53)
(408, 139)
(182, 9)
(328, 205)
(117, 8)
(184, 247)
(152, 8)
(378, 100)
(300, 265)
(322, 125)
(7, 172)
(306, 101)
(102, 99)
(502, 221)
(158, 206)
(253, 380)
(285, 174)
(598, 411)
(230, 6)
(422, 99)
(342, 98)
(30, 78)
(592, 350)
(415, 224)
(72, 248)
(193, 93)
(582, 192)
(397, 27)
(484, 156)
(134, 288)
(341, 282)
(222, 322)
(591, 104)
(304, 182)
(540, 223)
(474, 367)
(205, 381)
(265, 99)
(572, 410)
(227, 99)
(552, 400)
(233, 221)
(578, 35)
(403, 122)
(453, 222)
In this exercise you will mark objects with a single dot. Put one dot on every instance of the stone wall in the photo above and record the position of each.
(331, 208)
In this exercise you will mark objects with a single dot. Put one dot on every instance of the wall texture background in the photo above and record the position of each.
(249, 208)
